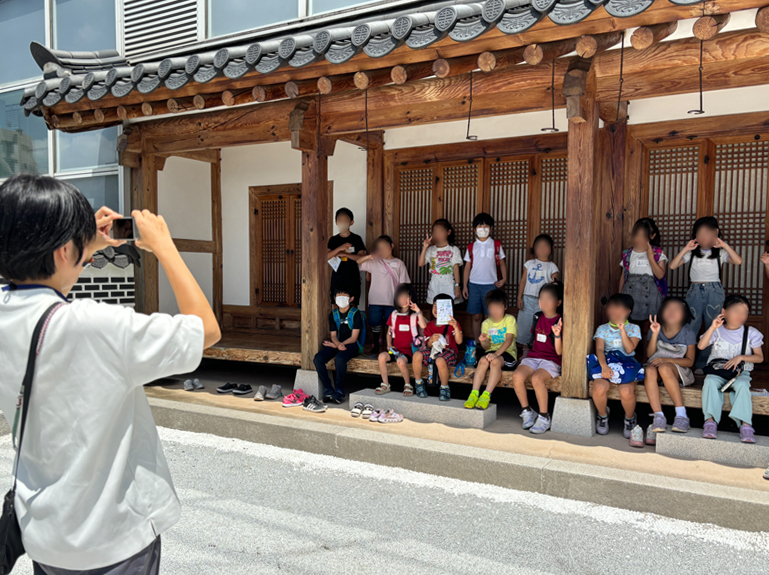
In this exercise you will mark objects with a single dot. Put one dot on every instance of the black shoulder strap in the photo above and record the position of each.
(745, 330)
(26, 386)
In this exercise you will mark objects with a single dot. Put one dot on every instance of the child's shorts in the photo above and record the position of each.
(448, 355)
(549, 366)
(510, 362)
(476, 298)
(393, 357)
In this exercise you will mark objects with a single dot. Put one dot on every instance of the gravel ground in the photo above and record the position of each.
(256, 509)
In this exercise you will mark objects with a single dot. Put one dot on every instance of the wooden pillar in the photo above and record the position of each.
(144, 196)
(216, 235)
(582, 206)
(374, 189)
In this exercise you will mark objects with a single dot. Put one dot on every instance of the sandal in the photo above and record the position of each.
(375, 415)
(383, 388)
(408, 391)
(368, 409)
(357, 409)
(390, 416)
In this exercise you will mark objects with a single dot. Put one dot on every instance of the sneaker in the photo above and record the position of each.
(747, 433)
(227, 388)
(444, 394)
(651, 436)
(766, 473)
(368, 409)
(338, 396)
(197, 385)
(483, 400)
(312, 404)
(242, 389)
(529, 418)
(681, 424)
(637, 436)
(328, 395)
(541, 425)
(629, 425)
(275, 392)
(660, 423)
(294, 399)
(602, 423)
(375, 415)
(472, 400)
(710, 430)
(260, 393)
(188, 385)
(421, 391)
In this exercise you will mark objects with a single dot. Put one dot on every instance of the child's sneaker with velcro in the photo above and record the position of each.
(529, 418)
(541, 425)
(629, 426)
(637, 436)
(602, 423)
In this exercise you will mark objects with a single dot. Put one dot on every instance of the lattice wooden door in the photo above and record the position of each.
(553, 174)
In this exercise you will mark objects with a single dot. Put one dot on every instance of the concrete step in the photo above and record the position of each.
(429, 409)
(727, 449)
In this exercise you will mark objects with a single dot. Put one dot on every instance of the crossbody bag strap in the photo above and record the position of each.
(745, 330)
(26, 386)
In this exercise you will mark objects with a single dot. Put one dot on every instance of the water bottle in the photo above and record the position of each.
(430, 373)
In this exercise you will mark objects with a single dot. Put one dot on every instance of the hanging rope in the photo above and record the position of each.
(470, 110)
(621, 71)
(701, 109)
(552, 104)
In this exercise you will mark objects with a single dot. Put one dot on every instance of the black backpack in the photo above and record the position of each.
(533, 332)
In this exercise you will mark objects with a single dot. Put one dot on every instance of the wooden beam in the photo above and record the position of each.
(296, 89)
(332, 84)
(537, 53)
(148, 108)
(610, 112)
(360, 139)
(574, 84)
(195, 246)
(762, 19)
(707, 27)
(408, 73)
(176, 105)
(488, 61)
(589, 46)
(647, 36)
(205, 101)
(208, 156)
(237, 97)
(144, 195)
(267, 93)
(374, 191)
(366, 79)
(444, 68)
(216, 235)
(130, 112)
(102, 116)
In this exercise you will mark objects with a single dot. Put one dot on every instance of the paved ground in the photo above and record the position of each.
(254, 509)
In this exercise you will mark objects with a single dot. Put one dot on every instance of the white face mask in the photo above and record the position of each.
(482, 233)
(342, 301)
(343, 227)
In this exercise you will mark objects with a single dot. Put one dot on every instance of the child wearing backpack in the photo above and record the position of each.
(347, 329)
(403, 339)
(706, 253)
(486, 269)
(443, 361)
(544, 359)
(444, 259)
(537, 272)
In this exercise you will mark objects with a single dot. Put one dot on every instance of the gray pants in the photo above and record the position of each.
(145, 562)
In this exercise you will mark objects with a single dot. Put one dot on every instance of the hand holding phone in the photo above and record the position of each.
(124, 229)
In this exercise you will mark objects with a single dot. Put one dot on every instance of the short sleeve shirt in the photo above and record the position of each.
(684, 337)
(498, 331)
(612, 338)
(538, 273)
(384, 282)
(544, 342)
(727, 343)
(484, 268)
(432, 329)
(347, 273)
(705, 269)
(344, 331)
(639, 263)
(402, 336)
(442, 260)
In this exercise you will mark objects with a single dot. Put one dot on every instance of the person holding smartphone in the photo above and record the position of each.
(94, 490)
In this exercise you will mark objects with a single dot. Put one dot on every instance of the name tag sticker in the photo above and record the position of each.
(404, 327)
(616, 343)
(493, 331)
(642, 263)
(539, 274)
(350, 250)
(541, 337)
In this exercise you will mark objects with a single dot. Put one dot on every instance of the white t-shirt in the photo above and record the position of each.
(704, 269)
(639, 263)
(94, 487)
(484, 269)
(538, 273)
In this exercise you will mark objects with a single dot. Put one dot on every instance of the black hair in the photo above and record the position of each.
(446, 225)
(735, 299)
(341, 290)
(706, 222)
(344, 211)
(556, 290)
(38, 215)
(442, 296)
(483, 219)
(543, 238)
(622, 299)
(666, 302)
(399, 291)
(384, 238)
(651, 229)
(496, 296)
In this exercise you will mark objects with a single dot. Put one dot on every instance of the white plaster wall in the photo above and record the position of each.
(201, 266)
(184, 198)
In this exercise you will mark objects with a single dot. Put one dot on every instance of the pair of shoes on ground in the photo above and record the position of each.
(193, 385)
(295, 399)
(408, 389)
(367, 411)
(275, 393)
(235, 388)
(363, 410)
(478, 401)
(747, 433)
(333, 395)
(311, 403)
(535, 422)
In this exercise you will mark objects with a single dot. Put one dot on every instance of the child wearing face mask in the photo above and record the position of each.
(346, 275)
(706, 253)
(486, 269)
(345, 325)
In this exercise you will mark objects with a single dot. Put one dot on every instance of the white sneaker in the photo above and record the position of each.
(260, 393)
(541, 426)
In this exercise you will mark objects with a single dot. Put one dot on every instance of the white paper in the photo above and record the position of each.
(541, 337)
(334, 262)
(445, 311)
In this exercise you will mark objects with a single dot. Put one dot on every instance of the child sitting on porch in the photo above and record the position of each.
(498, 340)
(446, 359)
(485, 270)
(544, 359)
(345, 325)
(345, 274)
(444, 259)
(706, 253)
(671, 358)
(403, 338)
(735, 348)
(537, 273)
(614, 362)
(387, 273)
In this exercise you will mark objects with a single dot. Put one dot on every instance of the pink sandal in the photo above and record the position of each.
(375, 415)
(390, 416)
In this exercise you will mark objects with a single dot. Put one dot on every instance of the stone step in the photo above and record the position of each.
(727, 449)
(429, 409)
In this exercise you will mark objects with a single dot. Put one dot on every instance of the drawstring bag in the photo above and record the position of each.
(470, 360)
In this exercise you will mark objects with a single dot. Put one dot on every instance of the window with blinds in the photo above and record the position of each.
(151, 25)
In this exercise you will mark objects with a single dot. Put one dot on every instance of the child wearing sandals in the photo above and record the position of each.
(671, 358)
(444, 260)
(402, 339)
(544, 359)
(498, 333)
(537, 273)
(614, 362)
(446, 359)
(735, 348)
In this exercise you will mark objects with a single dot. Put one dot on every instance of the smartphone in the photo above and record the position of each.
(124, 229)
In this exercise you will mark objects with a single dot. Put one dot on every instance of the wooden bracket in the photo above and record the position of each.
(607, 111)
(574, 83)
(375, 138)
(129, 147)
(304, 135)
